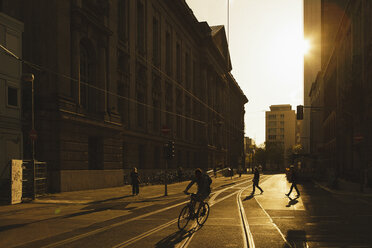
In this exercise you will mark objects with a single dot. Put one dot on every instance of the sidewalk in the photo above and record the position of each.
(346, 188)
(107, 194)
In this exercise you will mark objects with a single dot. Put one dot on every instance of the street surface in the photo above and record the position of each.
(114, 218)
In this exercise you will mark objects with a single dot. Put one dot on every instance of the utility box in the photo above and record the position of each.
(16, 175)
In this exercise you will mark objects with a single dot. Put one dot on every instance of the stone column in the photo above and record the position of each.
(75, 65)
(102, 101)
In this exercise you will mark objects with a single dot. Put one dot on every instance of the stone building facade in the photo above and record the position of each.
(312, 33)
(343, 89)
(116, 73)
(10, 95)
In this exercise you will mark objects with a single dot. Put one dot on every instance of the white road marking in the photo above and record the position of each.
(272, 222)
(186, 242)
(248, 237)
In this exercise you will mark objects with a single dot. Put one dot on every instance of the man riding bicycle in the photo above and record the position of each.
(204, 185)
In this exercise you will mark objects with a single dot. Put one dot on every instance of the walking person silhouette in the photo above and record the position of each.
(135, 181)
(256, 180)
(293, 179)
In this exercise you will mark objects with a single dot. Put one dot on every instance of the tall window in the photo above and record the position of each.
(141, 156)
(178, 62)
(141, 94)
(88, 94)
(12, 96)
(140, 110)
(124, 153)
(123, 20)
(155, 42)
(123, 86)
(179, 112)
(187, 121)
(156, 96)
(194, 78)
(187, 70)
(140, 27)
(168, 53)
(156, 116)
(169, 104)
(157, 153)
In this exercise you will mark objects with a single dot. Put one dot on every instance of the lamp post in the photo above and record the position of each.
(29, 77)
(165, 130)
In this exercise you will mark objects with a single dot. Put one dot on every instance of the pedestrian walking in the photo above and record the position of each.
(135, 181)
(231, 172)
(215, 172)
(293, 179)
(256, 180)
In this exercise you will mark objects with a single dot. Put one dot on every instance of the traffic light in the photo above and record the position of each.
(169, 150)
(300, 112)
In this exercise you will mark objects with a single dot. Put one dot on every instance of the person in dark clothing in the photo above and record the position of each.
(294, 180)
(256, 180)
(135, 181)
(203, 182)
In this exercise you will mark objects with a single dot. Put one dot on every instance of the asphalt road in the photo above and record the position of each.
(237, 219)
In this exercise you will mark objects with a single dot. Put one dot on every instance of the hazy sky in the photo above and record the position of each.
(266, 49)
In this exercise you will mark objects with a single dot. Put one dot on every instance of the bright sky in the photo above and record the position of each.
(266, 49)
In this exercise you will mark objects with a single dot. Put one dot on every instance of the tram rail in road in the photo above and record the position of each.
(186, 241)
(145, 234)
(245, 227)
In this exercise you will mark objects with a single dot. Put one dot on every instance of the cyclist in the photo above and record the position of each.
(204, 186)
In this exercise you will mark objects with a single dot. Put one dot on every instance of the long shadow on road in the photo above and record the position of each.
(296, 238)
(292, 201)
(173, 239)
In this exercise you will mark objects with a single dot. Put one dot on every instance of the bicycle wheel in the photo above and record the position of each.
(203, 213)
(184, 217)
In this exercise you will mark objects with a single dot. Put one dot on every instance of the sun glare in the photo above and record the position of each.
(306, 47)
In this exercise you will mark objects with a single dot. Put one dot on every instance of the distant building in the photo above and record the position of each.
(249, 149)
(131, 70)
(281, 127)
(10, 93)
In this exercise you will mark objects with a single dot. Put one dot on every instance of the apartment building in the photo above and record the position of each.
(281, 127)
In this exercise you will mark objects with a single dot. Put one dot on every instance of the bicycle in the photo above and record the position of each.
(188, 212)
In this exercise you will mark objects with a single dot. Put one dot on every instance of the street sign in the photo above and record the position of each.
(165, 129)
(358, 139)
(33, 134)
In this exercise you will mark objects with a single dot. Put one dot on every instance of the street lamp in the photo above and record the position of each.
(29, 77)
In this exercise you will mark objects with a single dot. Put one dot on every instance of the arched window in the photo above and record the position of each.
(87, 79)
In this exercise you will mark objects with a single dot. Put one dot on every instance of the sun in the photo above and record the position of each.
(305, 46)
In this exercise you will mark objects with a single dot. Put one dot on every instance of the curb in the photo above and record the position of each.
(70, 200)
(339, 192)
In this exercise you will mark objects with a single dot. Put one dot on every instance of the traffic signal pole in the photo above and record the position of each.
(169, 154)
(300, 110)
(165, 178)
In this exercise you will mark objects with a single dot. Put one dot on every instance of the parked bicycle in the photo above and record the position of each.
(188, 212)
